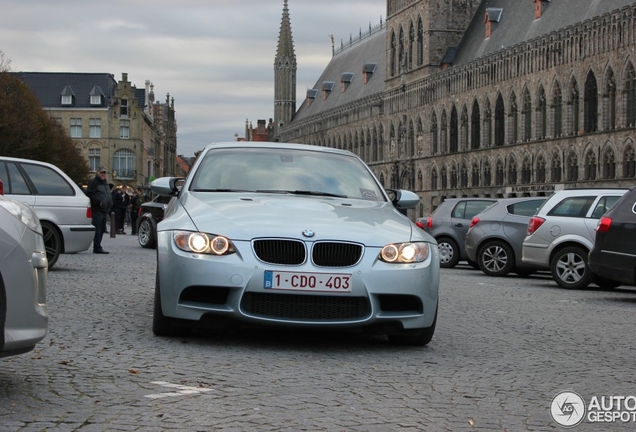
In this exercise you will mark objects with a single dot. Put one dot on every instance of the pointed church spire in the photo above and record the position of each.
(284, 75)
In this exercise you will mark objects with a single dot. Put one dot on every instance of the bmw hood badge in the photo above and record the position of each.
(308, 233)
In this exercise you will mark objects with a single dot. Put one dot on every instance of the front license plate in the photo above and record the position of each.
(329, 282)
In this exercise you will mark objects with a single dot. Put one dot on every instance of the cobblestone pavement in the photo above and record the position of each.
(503, 349)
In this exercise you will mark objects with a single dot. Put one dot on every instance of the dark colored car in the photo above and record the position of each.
(449, 224)
(150, 214)
(496, 235)
(613, 256)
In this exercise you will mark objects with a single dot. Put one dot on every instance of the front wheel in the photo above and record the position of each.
(448, 252)
(569, 268)
(52, 243)
(420, 337)
(146, 234)
(496, 259)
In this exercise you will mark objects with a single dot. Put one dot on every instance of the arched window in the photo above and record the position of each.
(500, 124)
(609, 164)
(514, 120)
(590, 165)
(433, 134)
(453, 177)
(630, 97)
(393, 53)
(512, 171)
(420, 181)
(463, 131)
(475, 176)
(629, 166)
(557, 111)
(499, 173)
(464, 176)
(434, 179)
(420, 42)
(590, 104)
(526, 171)
(609, 100)
(124, 164)
(475, 127)
(573, 167)
(487, 174)
(574, 109)
(443, 134)
(381, 142)
(556, 168)
(454, 135)
(444, 177)
(411, 43)
(542, 116)
(540, 174)
(527, 116)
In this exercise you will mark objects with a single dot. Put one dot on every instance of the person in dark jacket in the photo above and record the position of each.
(101, 202)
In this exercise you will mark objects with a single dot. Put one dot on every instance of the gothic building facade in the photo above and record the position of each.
(453, 98)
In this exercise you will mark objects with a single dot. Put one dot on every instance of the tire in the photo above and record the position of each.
(570, 269)
(448, 252)
(52, 243)
(496, 259)
(146, 234)
(161, 324)
(605, 283)
(420, 337)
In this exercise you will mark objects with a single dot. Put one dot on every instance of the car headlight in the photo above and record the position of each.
(203, 243)
(405, 252)
(23, 213)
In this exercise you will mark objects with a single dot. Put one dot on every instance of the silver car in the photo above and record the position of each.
(292, 235)
(561, 235)
(496, 235)
(23, 273)
(61, 205)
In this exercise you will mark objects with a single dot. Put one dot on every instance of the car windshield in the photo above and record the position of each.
(285, 171)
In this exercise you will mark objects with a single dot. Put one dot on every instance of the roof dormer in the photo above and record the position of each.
(96, 96)
(327, 87)
(67, 96)
(368, 69)
(538, 8)
(493, 15)
(346, 78)
(311, 95)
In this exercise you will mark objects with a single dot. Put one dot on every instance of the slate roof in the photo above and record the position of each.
(48, 87)
(370, 50)
(517, 23)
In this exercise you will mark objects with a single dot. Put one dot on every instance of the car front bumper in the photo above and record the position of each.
(198, 287)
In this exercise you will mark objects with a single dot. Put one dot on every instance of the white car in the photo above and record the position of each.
(23, 274)
(292, 235)
(61, 205)
(561, 234)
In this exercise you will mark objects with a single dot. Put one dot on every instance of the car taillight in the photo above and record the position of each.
(1, 188)
(419, 224)
(429, 222)
(473, 222)
(534, 224)
(604, 224)
(89, 212)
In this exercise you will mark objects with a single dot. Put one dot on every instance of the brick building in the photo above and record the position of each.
(454, 98)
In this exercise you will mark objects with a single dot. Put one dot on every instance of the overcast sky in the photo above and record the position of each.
(215, 57)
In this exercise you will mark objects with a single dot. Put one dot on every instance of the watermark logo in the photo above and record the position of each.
(567, 409)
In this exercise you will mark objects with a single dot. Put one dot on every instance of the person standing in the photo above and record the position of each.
(101, 202)
(135, 203)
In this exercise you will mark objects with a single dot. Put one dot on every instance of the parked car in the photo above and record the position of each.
(150, 214)
(449, 224)
(23, 275)
(613, 256)
(496, 235)
(561, 235)
(60, 204)
(296, 236)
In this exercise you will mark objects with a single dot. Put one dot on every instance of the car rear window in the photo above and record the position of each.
(47, 181)
(468, 209)
(603, 205)
(573, 206)
(525, 208)
(14, 182)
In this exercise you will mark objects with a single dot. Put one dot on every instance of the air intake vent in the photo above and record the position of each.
(284, 252)
(336, 254)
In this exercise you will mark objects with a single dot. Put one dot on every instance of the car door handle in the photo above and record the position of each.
(458, 225)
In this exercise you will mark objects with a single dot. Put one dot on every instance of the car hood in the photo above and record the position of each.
(248, 216)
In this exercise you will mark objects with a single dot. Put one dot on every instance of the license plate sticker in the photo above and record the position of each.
(299, 281)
